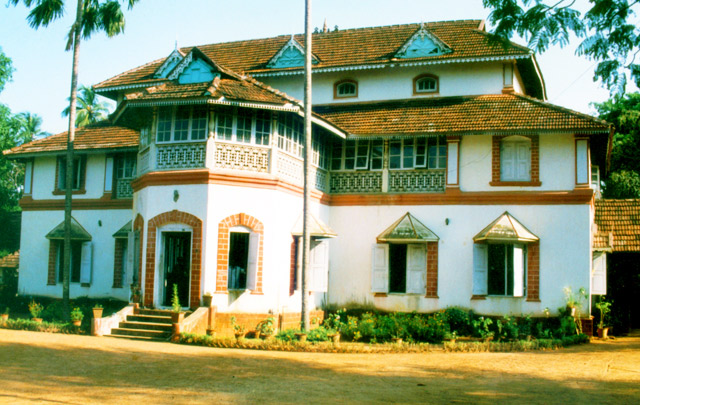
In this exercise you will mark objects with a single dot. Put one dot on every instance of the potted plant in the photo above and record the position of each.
(177, 315)
(266, 328)
(451, 337)
(35, 310)
(602, 327)
(207, 300)
(76, 316)
(5, 315)
(135, 294)
(97, 311)
(572, 301)
(238, 329)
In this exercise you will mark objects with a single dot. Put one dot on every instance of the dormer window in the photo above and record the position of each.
(423, 43)
(346, 89)
(291, 55)
(426, 84)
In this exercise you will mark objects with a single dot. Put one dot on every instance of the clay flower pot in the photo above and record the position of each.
(97, 312)
(77, 322)
(38, 320)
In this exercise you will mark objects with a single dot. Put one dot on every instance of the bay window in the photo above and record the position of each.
(182, 124)
(244, 126)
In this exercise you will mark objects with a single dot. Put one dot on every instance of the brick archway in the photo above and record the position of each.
(224, 226)
(174, 217)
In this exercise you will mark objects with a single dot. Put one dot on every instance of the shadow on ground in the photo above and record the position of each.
(66, 372)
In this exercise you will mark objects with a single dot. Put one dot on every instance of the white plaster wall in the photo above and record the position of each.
(101, 224)
(565, 257)
(45, 172)
(556, 157)
(277, 210)
(397, 83)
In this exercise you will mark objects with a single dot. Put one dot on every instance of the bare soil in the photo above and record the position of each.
(55, 368)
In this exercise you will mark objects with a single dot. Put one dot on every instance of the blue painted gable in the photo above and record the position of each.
(198, 71)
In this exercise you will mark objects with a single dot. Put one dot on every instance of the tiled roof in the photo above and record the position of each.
(97, 136)
(246, 89)
(343, 48)
(10, 261)
(485, 113)
(618, 225)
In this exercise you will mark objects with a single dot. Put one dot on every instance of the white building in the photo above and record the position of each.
(441, 178)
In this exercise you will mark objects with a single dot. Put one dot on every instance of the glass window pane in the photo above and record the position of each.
(182, 124)
(224, 128)
(377, 155)
(164, 128)
(349, 155)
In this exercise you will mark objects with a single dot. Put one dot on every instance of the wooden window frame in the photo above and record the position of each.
(534, 163)
(83, 174)
(417, 79)
(336, 89)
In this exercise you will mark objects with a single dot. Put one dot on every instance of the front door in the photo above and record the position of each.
(176, 267)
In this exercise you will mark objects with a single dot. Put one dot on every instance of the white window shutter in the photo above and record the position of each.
(86, 263)
(480, 269)
(599, 274)
(518, 270)
(507, 160)
(380, 267)
(253, 246)
(416, 264)
(319, 266)
(522, 165)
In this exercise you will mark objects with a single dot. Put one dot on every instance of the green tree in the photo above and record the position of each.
(30, 126)
(91, 16)
(607, 32)
(623, 180)
(90, 109)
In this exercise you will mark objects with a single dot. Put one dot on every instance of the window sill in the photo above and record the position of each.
(62, 192)
(516, 183)
(477, 297)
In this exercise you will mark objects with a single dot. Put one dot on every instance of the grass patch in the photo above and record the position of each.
(48, 327)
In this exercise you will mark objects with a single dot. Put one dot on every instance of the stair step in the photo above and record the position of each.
(141, 332)
(132, 337)
(150, 319)
(166, 327)
(156, 312)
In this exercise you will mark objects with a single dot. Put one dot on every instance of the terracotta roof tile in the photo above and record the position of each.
(351, 47)
(618, 225)
(247, 89)
(485, 113)
(97, 136)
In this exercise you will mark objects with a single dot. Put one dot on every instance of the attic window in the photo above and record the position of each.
(422, 44)
(426, 84)
(291, 55)
(346, 89)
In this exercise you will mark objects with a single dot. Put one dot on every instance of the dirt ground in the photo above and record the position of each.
(55, 368)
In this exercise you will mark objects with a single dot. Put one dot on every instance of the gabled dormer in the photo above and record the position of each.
(292, 54)
(195, 67)
(170, 63)
(422, 43)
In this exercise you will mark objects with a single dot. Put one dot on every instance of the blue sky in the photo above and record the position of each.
(41, 82)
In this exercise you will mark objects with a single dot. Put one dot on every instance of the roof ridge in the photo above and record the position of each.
(331, 32)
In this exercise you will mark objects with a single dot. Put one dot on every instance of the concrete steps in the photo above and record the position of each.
(146, 324)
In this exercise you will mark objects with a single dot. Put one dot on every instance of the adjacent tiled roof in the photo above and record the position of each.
(618, 225)
(485, 113)
(11, 261)
(246, 89)
(343, 48)
(97, 136)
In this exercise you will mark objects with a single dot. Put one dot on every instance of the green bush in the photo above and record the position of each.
(287, 335)
(319, 334)
(459, 321)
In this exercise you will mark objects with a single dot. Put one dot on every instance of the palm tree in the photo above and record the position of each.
(304, 310)
(91, 108)
(91, 16)
(29, 127)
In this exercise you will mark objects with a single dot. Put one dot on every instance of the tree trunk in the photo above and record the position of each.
(67, 263)
(305, 314)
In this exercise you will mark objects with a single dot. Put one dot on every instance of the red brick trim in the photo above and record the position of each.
(195, 223)
(118, 268)
(431, 270)
(224, 226)
(533, 272)
(534, 162)
(52, 276)
(138, 225)
(293, 264)
(477, 297)
(378, 294)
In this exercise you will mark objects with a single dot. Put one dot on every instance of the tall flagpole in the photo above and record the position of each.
(305, 318)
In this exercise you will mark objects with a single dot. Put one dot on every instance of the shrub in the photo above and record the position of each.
(482, 328)
(76, 315)
(287, 335)
(458, 320)
(35, 309)
(319, 334)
